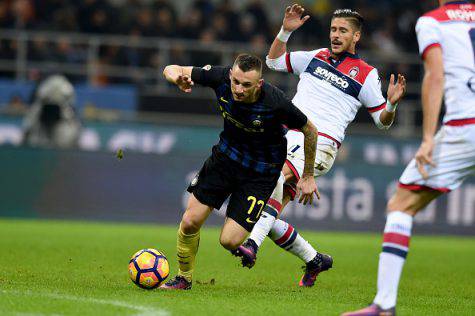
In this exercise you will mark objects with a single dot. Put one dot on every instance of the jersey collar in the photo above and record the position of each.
(341, 58)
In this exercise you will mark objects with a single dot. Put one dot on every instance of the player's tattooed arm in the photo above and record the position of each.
(310, 133)
(180, 76)
(307, 184)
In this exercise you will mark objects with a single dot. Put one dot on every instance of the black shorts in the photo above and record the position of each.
(220, 177)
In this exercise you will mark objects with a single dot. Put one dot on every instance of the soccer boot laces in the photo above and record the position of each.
(321, 262)
(177, 283)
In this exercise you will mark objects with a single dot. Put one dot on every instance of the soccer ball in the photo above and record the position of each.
(148, 268)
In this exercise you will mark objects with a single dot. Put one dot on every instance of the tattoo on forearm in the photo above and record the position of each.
(310, 147)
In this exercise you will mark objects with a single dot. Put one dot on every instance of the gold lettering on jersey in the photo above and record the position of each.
(227, 116)
(222, 99)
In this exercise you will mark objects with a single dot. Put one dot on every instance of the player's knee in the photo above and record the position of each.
(189, 224)
(229, 242)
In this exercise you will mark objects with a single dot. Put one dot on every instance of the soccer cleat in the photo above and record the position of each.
(177, 283)
(320, 263)
(248, 253)
(372, 310)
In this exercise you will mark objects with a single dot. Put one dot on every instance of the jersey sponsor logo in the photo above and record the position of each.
(227, 116)
(331, 77)
(325, 72)
(462, 15)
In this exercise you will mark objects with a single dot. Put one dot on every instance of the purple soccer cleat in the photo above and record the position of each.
(372, 310)
(320, 263)
(177, 283)
(248, 253)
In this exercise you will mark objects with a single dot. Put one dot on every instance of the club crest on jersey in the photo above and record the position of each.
(207, 67)
(257, 123)
(354, 72)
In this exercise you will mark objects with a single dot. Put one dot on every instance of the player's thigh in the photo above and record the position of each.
(232, 234)
(324, 159)
(214, 182)
(195, 215)
(454, 159)
(247, 202)
(411, 202)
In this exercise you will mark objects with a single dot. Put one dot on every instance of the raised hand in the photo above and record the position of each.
(293, 18)
(398, 90)
(424, 157)
(185, 83)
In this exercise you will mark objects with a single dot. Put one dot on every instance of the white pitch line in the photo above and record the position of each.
(142, 310)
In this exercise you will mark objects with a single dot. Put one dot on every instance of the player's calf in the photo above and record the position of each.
(232, 234)
(230, 242)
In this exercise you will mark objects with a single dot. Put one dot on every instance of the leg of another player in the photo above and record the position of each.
(248, 250)
(187, 242)
(402, 207)
(287, 237)
(271, 210)
(232, 234)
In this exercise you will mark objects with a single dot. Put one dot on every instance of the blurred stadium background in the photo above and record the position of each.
(114, 53)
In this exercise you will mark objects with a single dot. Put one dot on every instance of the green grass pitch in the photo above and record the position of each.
(77, 268)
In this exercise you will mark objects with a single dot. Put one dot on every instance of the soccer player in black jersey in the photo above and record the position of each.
(247, 161)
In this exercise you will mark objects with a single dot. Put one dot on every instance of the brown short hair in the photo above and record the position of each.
(248, 62)
(353, 16)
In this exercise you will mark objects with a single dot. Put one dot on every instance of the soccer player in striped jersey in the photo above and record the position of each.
(334, 84)
(245, 164)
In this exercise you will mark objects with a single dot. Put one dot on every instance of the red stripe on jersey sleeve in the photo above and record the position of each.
(377, 108)
(424, 53)
(288, 64)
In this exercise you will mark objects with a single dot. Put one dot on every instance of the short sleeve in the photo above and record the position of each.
(297, 62)
(210, 76)
(292, 62)
(428, 34)
(371, 95)
(290, 115)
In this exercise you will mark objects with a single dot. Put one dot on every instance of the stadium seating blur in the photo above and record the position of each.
(126, 43)
(114, 52)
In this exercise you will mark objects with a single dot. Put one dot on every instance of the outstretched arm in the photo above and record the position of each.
(396, 92)
(180, 76)
(307, 184)
(292, 21)
(432, 92)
